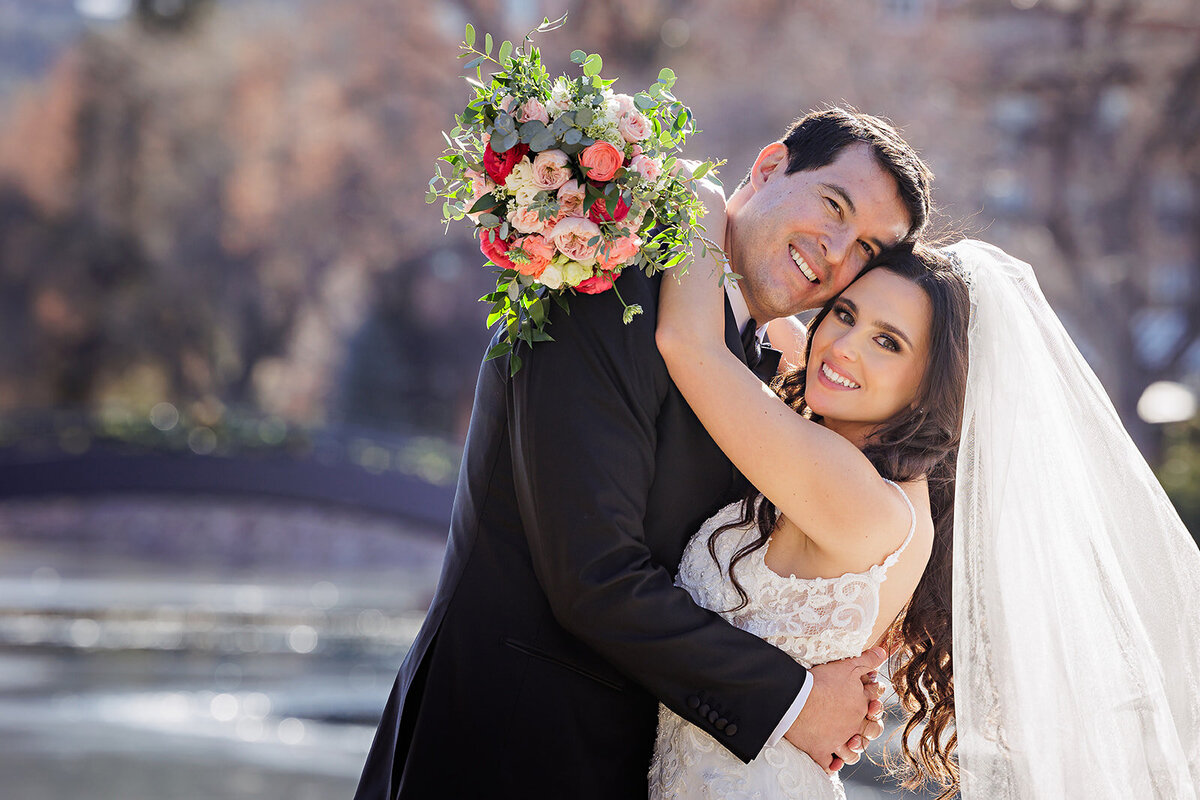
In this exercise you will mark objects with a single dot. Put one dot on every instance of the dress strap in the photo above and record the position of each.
(912, 526)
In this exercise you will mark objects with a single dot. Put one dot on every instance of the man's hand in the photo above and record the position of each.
(842, 712)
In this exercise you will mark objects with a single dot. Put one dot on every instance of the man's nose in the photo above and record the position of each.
(839, 245)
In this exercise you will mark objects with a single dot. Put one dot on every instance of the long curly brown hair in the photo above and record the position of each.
(921, 441)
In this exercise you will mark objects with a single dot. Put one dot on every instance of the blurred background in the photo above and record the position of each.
(239, 349)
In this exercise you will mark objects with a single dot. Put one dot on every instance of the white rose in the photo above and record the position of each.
(520, 182)
(575, 273)
(552, 275)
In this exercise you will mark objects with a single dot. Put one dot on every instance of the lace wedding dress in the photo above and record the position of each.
(814, 620)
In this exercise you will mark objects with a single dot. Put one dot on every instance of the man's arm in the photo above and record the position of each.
(584, 424)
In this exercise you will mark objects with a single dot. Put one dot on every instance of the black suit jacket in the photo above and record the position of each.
(556, 626)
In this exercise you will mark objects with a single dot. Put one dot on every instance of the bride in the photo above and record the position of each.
(983, 514)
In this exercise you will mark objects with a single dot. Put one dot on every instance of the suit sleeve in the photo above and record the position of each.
(583, 411)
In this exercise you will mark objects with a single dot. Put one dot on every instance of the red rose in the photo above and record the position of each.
(598, 283)
(495, 248)
(599, 211)
(498, 165)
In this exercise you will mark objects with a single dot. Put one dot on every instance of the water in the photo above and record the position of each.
(166, 648)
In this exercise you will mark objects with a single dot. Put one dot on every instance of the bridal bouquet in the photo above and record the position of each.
(567, 182)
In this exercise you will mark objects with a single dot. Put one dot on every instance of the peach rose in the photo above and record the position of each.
(538, 250)
(634, 126)
(526, 220)
(647, 167)
(533, 109)
(550, 170)
(613, 255)
(600, 161)
(570, 199)
(572, 236)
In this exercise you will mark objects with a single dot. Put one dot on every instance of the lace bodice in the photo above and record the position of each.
(815, 620)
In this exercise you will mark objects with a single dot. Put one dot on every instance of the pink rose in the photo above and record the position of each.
(572, 236)
(495, 248)
(550, 170)
(599, 211)
(600, 161)
(533, 109)
(634, 126)
(498, 165)
(526, 220)
(539, 250)
(625, 103)
(570, 199)
(613, 255)
(598, 283)
(647, 167)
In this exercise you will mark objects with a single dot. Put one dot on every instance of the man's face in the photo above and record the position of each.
(800, 239)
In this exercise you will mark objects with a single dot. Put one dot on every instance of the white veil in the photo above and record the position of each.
(1076, 585)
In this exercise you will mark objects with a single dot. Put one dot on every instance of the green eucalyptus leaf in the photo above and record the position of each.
(514, 365)
(643, 101)
(505, 142)
(469, 36)
(542, 140)
(592, 65)
(572, 136)
(473, 63)
(487, 43)
(505, 52)
(584, 117)
(578, 56)
(701, 170)
(489, 221)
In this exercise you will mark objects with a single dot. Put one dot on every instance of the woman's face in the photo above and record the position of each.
(869, 354)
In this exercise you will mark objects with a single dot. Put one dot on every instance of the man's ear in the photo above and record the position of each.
(771, 162)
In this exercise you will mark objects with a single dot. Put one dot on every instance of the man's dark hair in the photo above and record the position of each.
(816, 139)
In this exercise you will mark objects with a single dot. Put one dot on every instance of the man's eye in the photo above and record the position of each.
(870, 251)
(834, 205)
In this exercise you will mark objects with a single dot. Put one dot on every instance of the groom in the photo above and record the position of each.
(556, 628)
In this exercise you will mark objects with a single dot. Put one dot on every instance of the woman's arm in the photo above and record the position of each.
(815, 477)
(789, 337)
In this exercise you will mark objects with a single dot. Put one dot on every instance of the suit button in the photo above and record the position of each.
(721, 723)
(730, 730)
(713, 716)
(704, 709)
(693, 701)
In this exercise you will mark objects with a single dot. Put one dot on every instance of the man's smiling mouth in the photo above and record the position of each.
(803, 265)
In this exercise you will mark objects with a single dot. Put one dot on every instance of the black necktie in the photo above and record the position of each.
(751, 344)
(762, 361)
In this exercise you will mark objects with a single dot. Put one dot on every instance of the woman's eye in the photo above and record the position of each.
(844, 315)
(888, 343)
